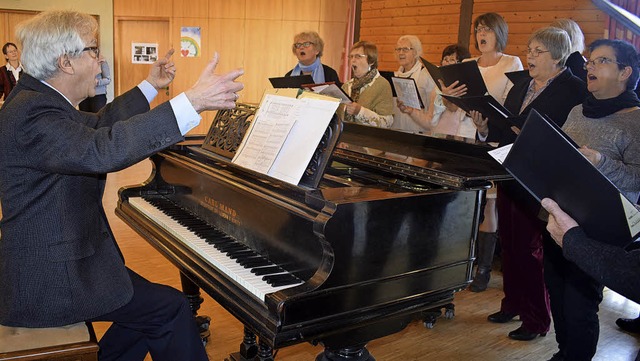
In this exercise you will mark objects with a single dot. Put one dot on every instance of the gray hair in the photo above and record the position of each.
(50, 35)
(575, 33)
(415, 42)
(556, 41)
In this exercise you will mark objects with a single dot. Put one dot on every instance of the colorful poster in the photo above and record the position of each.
(189, 42)
(144, 53)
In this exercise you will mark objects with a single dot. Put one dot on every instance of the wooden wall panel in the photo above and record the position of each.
(142, 8)
(253, 34)
(436, 22)
(261, 10)
(225, 9)
(190, 8)
(301, 10)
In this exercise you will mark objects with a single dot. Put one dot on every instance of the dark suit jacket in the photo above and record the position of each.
(556, 101)
(329, 75)
(59, 263)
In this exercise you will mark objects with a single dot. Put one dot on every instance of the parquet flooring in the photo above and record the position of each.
(468, 336)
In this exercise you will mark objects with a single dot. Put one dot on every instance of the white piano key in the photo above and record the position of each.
(217, 259)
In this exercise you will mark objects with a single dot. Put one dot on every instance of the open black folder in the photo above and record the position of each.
(488, 106)
(548, 164)
(291, 81)
(466, 73)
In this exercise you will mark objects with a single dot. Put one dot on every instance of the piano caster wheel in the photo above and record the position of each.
(429, 324)
(449, 313)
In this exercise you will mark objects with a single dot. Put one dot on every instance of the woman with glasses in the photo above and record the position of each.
(606, 127)
(408, 51)
(307, 47)
(551, 89)
(371, 93)
(9, 73)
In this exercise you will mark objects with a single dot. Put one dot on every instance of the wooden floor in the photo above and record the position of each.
(468, 336)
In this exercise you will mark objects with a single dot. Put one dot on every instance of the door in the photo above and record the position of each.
(129, 74)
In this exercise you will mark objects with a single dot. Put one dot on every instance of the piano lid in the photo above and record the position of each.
(443, 161)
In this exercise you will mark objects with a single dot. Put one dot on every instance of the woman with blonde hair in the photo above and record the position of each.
(576, 61)
(308, 47)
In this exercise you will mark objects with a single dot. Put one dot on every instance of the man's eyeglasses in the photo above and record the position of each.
(403, 50)
(93, 50)
(357, 56)
(535, 52)
(599, 61)
(483, 29)
(306, 44)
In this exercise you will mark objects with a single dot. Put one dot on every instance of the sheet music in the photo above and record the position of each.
(407, 91)
(633, 215)
(284, 135)
(268, 132)
(500, 154)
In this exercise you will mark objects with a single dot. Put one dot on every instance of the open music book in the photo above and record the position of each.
(546, 162)
(407, 92)
(487, 105)
(285, 134)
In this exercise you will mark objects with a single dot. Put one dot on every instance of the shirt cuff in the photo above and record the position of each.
(186, 115)
(148, 90)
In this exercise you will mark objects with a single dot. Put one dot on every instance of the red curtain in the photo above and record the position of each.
(345, 70)
(615, 30)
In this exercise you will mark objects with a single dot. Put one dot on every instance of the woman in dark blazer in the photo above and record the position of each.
(552, 90)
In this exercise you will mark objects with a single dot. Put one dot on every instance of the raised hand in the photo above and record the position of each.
(162, 71)
(213, 91)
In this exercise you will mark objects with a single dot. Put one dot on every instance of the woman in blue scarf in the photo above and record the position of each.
(307, 47)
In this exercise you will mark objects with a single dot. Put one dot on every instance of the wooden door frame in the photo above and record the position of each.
(116, 43)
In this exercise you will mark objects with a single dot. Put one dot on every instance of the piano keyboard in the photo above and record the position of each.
(251, 271)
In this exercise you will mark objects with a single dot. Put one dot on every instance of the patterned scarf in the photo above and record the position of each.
(356, 87)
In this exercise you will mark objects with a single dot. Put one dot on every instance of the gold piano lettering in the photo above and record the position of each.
(221, 209)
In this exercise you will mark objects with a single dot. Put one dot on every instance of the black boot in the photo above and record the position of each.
(486, 247)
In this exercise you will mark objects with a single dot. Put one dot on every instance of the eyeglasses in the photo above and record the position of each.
(599, 61)
(93, 49)
(357, 56)
(403, 50)
(306, 44)
(535, 52)
(483, 29)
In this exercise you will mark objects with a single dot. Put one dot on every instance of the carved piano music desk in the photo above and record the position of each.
(381, 228)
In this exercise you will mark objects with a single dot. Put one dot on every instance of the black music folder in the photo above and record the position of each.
(488, 106)
(466, 73)
(548, 164)
(518, 75)
(291, 81)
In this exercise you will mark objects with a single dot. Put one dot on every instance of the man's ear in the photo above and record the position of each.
(64, 63)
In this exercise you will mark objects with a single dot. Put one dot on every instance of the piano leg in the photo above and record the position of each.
(249, 350)
(355, 353)
(195, 300)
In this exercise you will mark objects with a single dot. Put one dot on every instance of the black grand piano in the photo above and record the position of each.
(380, 229)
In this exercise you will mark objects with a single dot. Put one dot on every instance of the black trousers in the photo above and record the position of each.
(93, 104)
(575, 298)
(157, 321)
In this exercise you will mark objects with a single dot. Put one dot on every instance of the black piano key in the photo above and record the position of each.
(261, 271)
(280, 279)
(255, 262)
(226, 247)
(236, 254)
